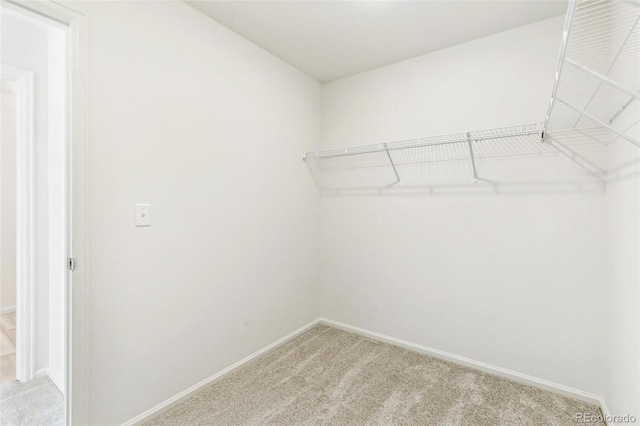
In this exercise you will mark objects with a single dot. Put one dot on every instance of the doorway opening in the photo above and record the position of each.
(34, 212)
(52, 159)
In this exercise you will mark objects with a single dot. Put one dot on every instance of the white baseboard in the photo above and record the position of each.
(467, 362)
(187, 393)
(56, 381)
(604, 408)
(46, 372)
(7, 310)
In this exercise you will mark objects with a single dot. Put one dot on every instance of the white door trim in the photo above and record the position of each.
(25, 295)
(77, 292)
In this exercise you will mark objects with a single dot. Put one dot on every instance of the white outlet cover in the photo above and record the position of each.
(143, 214)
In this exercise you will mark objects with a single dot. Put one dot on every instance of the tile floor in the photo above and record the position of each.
(8, 347)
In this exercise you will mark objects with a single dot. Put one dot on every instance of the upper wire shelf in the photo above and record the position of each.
(596, 93)
(500, 156)
(594, 106)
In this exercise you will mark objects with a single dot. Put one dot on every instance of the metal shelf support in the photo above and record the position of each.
(393, 166)
(473, 159)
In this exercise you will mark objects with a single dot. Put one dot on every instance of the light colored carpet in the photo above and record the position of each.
(34, 403)
(328, 376)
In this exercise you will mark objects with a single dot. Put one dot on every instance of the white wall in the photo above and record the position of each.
(8, 199)
(622, 305)
(208, 129)
(513, 280)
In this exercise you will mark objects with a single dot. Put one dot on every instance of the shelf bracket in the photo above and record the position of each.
(393, 166)
(313, 175)
(473, 159)
(579, 160)
(620, 110)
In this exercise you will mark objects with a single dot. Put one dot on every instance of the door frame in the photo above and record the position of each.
(25, 267)
(77, 124)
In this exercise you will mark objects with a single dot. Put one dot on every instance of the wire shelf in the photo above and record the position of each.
(500, 156)
(595, 99)
(594, 106)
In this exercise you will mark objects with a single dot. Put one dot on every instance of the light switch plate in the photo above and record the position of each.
(143, 214)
